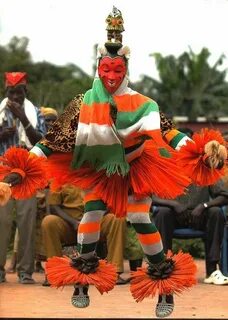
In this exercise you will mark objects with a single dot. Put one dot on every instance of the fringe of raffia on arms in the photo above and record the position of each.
(149, 172)
(60, 273)
(32, 166)
(191, 157)
(182, 277)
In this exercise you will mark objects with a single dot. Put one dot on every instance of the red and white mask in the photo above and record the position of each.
(112, 71)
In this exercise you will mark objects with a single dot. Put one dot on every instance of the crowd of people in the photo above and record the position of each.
(117, 137)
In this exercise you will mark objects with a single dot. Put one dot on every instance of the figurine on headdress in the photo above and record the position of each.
(115, 26)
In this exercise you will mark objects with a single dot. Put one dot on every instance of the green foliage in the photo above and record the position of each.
(49, 84)
(193, 246)
(188, 85)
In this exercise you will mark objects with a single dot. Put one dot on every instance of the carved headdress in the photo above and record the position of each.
(113, 46)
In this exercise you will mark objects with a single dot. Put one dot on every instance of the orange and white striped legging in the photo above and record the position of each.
(138, 215)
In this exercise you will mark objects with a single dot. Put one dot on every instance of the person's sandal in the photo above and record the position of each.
(216, 278)
(25, 278)
(164, 308)
(80, 298)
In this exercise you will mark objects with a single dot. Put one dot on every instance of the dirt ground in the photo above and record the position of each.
(35, 301)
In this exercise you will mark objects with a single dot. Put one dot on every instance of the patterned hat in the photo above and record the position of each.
(15, 78)
(46, 111)
(113, 46)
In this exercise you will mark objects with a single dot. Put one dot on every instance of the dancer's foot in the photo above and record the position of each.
(164, 306)
(80, 298)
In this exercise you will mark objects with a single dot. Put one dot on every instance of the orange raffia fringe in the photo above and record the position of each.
(60, 273)
(33, 167)
(191, 158)
(112, 191)
(147, 175)
(182, 277)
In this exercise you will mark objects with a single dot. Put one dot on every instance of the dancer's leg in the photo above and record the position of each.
(89, 227)
(88, 236)
(150, 239)
(148, 235)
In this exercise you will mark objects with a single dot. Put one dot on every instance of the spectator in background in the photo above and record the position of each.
(21, 124)
(200, 209)
(50, 115)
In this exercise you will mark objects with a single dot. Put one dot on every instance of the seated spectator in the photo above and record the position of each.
(200, 208)
(50, 115)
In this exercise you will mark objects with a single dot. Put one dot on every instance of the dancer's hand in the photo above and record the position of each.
(13, 179)
(215, 154)
(5, 193)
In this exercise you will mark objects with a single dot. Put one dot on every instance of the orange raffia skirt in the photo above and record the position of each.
(149, 174)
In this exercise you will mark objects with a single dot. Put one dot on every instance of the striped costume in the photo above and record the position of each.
(119, 157)
(108, 163)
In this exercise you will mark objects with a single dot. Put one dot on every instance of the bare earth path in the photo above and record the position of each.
(34, 301)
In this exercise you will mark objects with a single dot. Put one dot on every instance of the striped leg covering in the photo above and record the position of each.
(164, 274)
(89, 227)
(148, 235)
(86, 268)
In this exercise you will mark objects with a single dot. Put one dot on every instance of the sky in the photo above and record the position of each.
(65, 31)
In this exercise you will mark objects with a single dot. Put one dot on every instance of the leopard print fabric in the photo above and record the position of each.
(166, 124)
(61, 136)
